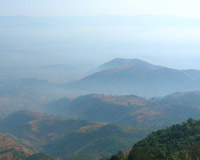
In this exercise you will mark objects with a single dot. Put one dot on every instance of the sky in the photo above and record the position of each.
(162, 32)
(180, 8)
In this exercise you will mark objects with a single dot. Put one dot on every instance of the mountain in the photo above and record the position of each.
(66, 138)
(134, 76)
(96, 107)
(130, 110)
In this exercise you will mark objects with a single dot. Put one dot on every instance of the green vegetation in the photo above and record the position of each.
(179, 142)
(84, 157)
(119, 156)
(40, 156)
(13, 154)
(18, 155)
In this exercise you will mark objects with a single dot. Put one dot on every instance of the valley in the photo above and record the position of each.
(56, 123)
(99, 80)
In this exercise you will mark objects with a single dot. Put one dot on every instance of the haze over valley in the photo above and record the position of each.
(99, 80)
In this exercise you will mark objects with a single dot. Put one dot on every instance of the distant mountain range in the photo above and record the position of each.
(67, 138)
(130, 110)
(134, 76)
(117, 77)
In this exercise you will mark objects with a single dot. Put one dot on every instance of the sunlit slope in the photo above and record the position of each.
(130, 110)
(65, 138)
(13, 148)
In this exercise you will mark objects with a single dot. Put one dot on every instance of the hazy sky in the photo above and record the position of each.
(167, 33)
(182, 8)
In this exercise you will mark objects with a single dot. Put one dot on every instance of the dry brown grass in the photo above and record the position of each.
(8, 143)
(122, 100)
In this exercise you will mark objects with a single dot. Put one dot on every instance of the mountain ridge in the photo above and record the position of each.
(130, 110)
(65, 138)
(134, 76)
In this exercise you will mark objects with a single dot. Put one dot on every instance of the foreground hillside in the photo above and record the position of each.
(178, 142)
(66, 138)
(134, 76)
(130, 110)
(12, 148)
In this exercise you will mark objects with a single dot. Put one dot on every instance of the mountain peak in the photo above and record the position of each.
(120, 62)
(127, 60)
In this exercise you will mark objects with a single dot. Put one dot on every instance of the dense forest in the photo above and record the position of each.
(178, 142)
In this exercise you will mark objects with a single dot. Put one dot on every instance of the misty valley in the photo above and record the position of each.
(99, 80)
(119, 105)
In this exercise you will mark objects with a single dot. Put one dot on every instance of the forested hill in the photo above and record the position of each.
(178, 142)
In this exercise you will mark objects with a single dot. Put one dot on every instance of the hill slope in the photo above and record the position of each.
(130, 110)
(133, 76)
(96, 107)
(12, 148)
(180, 142)
(65, 138)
